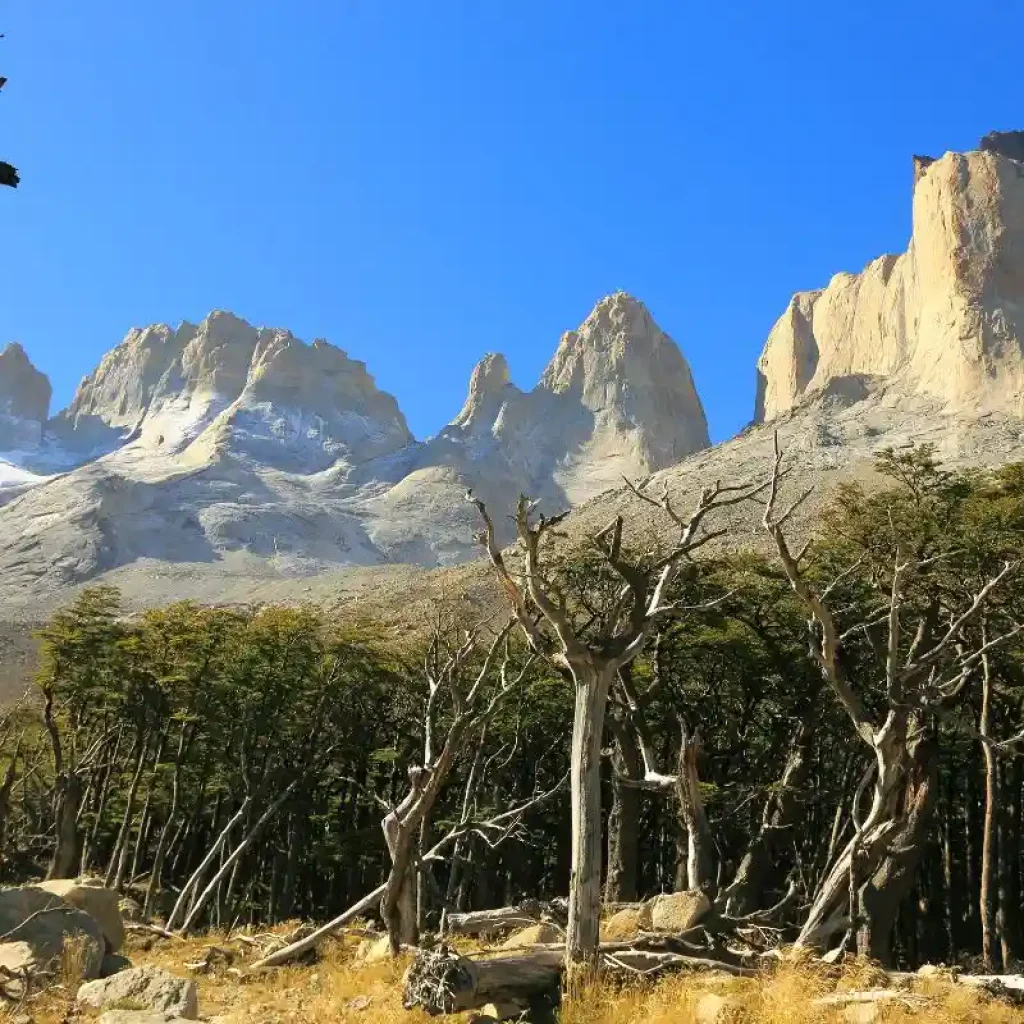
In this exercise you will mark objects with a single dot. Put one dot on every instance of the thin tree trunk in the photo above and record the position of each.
(986, 899)
(211, 854)
(700, 844)
(244, 845)
(156, 874)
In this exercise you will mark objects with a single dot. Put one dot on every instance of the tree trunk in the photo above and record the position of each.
(700, 844)
(888, 885)
(68, 791)
(115, 869)
(1008, 886)
(582, 931)
(624, 820)
(986, 896)
(160, 855)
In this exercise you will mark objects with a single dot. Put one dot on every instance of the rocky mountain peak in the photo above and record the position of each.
(944, 320)
(24, 399)
(490, 387)
(633, 379)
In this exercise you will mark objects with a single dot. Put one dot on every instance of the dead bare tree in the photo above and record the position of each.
(493, 831)
(473, 703)
(642, 601)
(912, 673)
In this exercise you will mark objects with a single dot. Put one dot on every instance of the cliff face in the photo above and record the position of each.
(944, 319)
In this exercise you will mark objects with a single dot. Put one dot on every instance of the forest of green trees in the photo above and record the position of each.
(822, 734)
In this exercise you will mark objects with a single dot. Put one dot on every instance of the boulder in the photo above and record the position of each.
(150, 988)
(678, 911)
(628, 921)
(97, 901)
(36, 923)
(533, 935)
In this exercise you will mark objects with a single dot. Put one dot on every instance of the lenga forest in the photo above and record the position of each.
(820, 732)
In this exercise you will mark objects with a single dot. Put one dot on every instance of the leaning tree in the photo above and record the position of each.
(898, 641)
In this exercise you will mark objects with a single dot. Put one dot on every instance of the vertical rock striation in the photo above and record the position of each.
(943, 319)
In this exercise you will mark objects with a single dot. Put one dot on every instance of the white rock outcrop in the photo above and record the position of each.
(945, 319)
(220, 440)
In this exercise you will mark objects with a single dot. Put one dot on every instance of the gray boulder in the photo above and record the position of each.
(35, 925)
(146, 988)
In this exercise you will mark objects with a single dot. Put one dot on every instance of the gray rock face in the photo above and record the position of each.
(221, 440)
(148, 988)
(35, 925)
(24, 399)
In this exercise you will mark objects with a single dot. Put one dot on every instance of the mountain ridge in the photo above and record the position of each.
(287, 471)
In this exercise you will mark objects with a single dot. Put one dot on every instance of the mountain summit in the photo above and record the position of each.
(945, 319)
(220, 442)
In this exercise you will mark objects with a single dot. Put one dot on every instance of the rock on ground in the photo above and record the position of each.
(533, 935)
(629, 921)
(677, 911)
(36, 923)
(151, 988)
(97, 901)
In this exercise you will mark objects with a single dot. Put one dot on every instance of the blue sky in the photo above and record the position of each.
(423, 181)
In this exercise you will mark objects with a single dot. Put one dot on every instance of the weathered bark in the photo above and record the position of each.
(888, 885)
(67, 799)
(441, 981)
(501, 919)
(701, 861)
(583, 927)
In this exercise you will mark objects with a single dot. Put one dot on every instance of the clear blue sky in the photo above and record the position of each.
(422, 181)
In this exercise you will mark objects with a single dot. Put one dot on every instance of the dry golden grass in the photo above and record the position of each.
(340, 988)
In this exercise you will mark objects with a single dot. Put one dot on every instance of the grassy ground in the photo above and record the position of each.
(341, 988)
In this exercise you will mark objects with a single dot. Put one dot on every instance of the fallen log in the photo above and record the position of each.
(310, 941)
(486, 922)
(441, 981)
